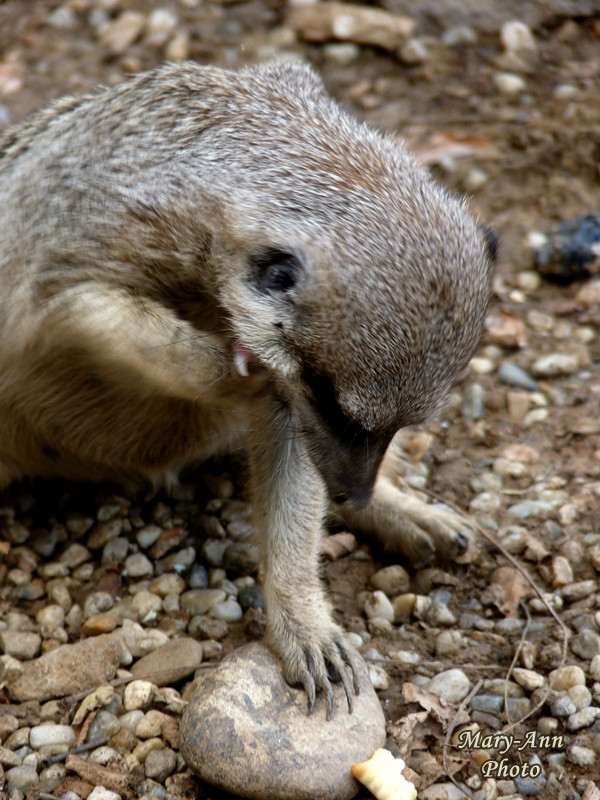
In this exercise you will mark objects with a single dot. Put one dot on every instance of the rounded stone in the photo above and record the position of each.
(564, 678)
(169, 663)
(378, 606)
(391, 580)
(452, 685)
(248, 732)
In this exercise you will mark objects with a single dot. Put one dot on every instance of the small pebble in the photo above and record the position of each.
(101, 793)
(579, 590)
(583, 719)
(452, 685)
(151, 724)
(564, 678)
(148, 535)
(585, 644)
(508, 83)
(162, 21)
(582, 756)
(517, 36)
(414, 51)
(555, 364)
(528, 679)
(23, 646)
(58, 737)
(377, 605)
(562, 572)
(228, 610)
(391, 580)
(563, 706)
(138, 694)
(159, 764)
(378, 676)
(513, 375)
(137, 565)
(24, 777)
(103, 726)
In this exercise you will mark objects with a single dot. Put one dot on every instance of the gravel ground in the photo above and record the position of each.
(510, 641)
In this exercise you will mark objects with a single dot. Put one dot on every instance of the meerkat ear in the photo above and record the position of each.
(275, 271)
(492, 243)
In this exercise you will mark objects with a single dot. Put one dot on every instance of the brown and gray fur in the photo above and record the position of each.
(150, 230)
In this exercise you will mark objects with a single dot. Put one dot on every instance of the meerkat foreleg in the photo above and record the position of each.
(407, 525)
(289, 504)
(142, 339)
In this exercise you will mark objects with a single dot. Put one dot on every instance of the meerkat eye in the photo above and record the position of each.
(275, 270)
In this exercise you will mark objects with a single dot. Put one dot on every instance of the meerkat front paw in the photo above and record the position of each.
(313, 654)
(418, 530)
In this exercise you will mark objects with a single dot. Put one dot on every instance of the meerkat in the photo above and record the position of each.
(199, 259)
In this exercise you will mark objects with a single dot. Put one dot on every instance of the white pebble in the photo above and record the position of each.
(102, 755)
(517, 36)
(178, 49)
(229, 610)
(138, 565)
(528, 280)
(138, 694)
(405, 656)
(414, 51)
(101, 793)
(378, 605)
(565, 92)
(161, 21)
(379, 677)
(581, 696)
(537, 415)
(509, 83)
(452, 685)
(564, 678)
(555, 364)
(475, 179)
(528, 679)
(568, 514)
(582, 756)
(52, 735)
(483, 366)
(147, 605)
(341, 53)
(595, 668)
(50, 617)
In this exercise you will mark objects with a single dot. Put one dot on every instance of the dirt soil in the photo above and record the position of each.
(528, 157)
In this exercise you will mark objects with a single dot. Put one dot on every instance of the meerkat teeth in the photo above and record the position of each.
(382, 775)
(240, 363)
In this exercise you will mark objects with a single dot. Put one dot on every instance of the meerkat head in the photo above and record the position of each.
(345, 270)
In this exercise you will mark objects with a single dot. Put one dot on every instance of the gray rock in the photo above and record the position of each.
(25, 777)
(452, 685)
(20, 645)
(490, 703)
(586, 644)
(159, 764)
(169, 663)
(515, 376)
(248, 732)
(69, 669)
(200, 601)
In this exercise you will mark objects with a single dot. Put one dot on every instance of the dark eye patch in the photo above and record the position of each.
(274, 270)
